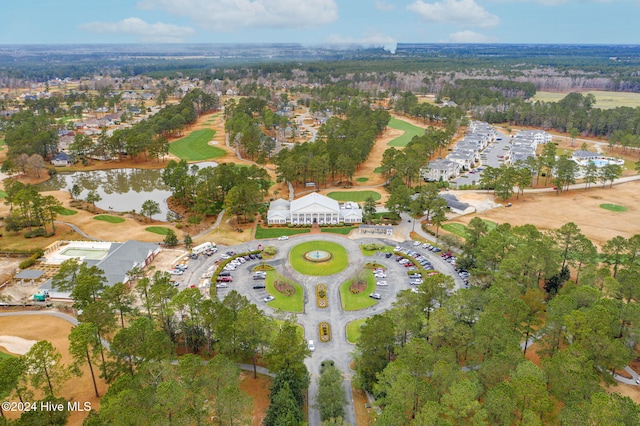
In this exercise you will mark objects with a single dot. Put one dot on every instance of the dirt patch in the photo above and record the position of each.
(56, 331)
(361, 407)
(258, 389)
(550, 211)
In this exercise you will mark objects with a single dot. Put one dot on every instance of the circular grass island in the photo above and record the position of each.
(306, 258)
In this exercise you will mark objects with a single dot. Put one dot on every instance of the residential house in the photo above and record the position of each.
(61, 159)
(440, 169)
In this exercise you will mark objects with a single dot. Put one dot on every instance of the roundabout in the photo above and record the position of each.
(318, 258)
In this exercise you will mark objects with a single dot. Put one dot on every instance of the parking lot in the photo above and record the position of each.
(493, 156)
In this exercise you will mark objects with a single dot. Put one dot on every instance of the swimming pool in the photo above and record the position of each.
(86, 253)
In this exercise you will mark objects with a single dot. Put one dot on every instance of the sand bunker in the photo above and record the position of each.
(16, 345)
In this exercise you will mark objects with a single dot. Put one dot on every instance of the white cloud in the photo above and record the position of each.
(470, 37)
(144, 31)
(384, 6)
(371, 39)
(458, 12)
(230, 15)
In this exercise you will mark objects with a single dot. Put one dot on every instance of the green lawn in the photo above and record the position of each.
(277, 232)
(354, 302)
(109, 218)
(353, 330)
(2, 194)
(337, 263)
(161, 230)
(345, 230)
(293, 303)
(362, 179)
(456, 228)
(357, 196)
(66, 212)
(409, 132)
(4, 355)
(461, 230)
(196, 146)
(377, 170)
(614, 207)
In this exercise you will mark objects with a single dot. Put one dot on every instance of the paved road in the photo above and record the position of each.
(78, 230)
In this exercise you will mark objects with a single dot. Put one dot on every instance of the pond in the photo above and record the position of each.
(122, 190)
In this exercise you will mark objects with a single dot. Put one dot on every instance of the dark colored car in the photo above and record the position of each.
(224, 274)
(259, 286)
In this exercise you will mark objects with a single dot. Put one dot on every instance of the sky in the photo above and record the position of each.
(363, 22)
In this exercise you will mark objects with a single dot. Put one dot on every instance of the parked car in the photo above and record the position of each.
(225, 279)
(268, 299)
(381, 283)
(311, 346)
(222, 285)
(376, 296)
(176, 272)
(259, 286)
(224, 256)
(388, 255)
(224, 274)
(416, 243)
(283, 238)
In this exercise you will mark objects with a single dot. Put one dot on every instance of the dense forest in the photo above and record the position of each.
(441, 358)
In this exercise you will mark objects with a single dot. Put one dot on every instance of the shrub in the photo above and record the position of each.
(270, 250)
(27, 263)
(38, 232)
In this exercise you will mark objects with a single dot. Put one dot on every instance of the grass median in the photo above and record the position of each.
(355, 302)
(293, 303)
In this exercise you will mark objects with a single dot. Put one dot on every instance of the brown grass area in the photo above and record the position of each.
(551, 211)
(56, 331)
(363, 416)
(258, 389)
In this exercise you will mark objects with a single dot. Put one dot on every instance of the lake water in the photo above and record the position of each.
(122, 190)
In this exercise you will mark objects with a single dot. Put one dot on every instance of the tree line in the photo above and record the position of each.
(342, 145)
(133, 347)
(459, 357)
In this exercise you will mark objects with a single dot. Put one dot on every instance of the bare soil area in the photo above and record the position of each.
(258, 389)
(551, 211)
(55, 330)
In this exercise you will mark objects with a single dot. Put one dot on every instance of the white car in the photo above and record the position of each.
(176, 272)
(375, 296)
(283, 237)
(224, 256)
(417, 243)
(380, 275)
(222, 285)
(381, 283)
(312, 347)
(268, 299)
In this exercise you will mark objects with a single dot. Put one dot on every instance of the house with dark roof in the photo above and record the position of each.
(61, 159)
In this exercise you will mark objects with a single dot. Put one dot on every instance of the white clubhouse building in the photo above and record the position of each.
(313, 208)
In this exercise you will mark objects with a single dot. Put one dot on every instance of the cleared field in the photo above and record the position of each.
(604, 100)
(357, 196)
(109, 218)
(195, 147)
(409, 132)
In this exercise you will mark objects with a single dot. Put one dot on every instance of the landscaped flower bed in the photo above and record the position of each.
(324, 331)
(321, 296)
(284, 287)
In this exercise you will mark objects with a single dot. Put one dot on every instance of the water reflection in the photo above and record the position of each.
(122, 190)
